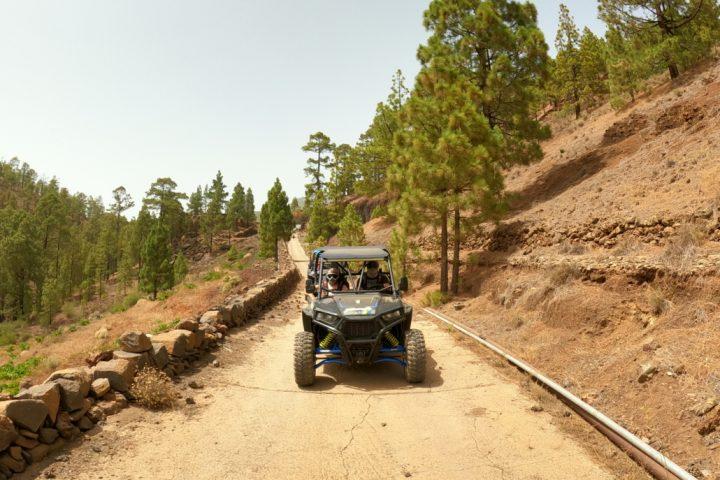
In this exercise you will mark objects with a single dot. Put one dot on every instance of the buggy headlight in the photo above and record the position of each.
(326, 318)
(392, 316)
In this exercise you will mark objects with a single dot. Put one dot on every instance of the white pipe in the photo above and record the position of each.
(597, 415)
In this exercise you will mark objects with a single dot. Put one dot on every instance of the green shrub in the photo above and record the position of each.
(235, 254)
(23, 346)
(164, 295)
(161, 327)
(379, 211)
(9, 331)
(11, 374)
(84, 322)
(212, 275)
(126, 303)
(190, 286)
(435, 299)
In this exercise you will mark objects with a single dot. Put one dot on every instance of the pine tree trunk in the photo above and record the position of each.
(444, 252)
(674, 71)
(455, 284)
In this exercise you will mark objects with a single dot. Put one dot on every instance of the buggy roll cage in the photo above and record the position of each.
(338, 255)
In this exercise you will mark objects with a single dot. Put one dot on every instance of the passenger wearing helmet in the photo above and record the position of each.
(334, 281)
(373, 278)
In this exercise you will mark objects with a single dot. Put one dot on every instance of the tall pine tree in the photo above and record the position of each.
(276, 222)
(156, 273)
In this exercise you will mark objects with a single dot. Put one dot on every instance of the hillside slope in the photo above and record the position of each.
(604, 272)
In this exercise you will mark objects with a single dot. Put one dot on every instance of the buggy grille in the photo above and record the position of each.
(359, 328)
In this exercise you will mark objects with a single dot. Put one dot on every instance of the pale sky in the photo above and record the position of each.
(102, 93)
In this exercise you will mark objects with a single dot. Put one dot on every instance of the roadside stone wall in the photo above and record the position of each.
(41, 419)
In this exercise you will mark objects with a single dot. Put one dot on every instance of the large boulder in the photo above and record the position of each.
(237, 312)
(74, 386)
(8, 433)
(160, 355)
(188, 324)
(25, 413)
(16, 466)
(211, 317)
(176, 341)
(48, 393)
(119, 373)
(65, 427)
(138, 360)
(135, 342)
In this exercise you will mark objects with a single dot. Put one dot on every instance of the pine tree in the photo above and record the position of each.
(350, 231)
(320, 227)
(180, 268)
(276, 221)
(196, 208)
(467, 119)
(156, 273)
(372, 155)
(163, 201)
(122, 201)
(593, 67)
(214, 219)
(249, 211)
(236, 207)
(670, 34)
(567, 63)
(320, 146)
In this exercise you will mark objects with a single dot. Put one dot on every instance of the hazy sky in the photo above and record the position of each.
(101, 93)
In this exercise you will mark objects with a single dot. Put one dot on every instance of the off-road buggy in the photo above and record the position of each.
(356, 324)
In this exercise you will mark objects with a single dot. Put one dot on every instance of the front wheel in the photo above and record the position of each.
(304, 359)
(414, 356)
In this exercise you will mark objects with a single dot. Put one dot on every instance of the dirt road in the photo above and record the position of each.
(251, 421)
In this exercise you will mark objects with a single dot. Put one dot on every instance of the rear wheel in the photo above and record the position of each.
(414, 356)
(304, 359)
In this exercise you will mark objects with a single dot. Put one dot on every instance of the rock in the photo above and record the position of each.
(135, 342)
(216, 363)
(8, 434)
(188, 324)
(458, 306)
(195, 385)
(102, 333)
(194, 341)
(28, 434)
(58, 444)
(25, 413)
(190, 401)
(85, 424)
(100, 386)
(99, 357)
(15, 452)
(211, 316)
(160, 355)
(138, 360)
(119, 373)
(76, 415)
(49, 393)
(647, 370)
(39, 452)
(65, 427)
(176, 341)
(537, 408)
(48, 435)
(95, 414)
(702, 408)
(26, 443)
(17, 466)
(74, 386)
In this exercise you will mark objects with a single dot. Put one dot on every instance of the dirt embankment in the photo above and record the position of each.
(604, 274)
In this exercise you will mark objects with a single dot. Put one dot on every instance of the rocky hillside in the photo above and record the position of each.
(605, 271)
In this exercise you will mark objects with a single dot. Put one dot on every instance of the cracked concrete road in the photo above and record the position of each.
(252, 421)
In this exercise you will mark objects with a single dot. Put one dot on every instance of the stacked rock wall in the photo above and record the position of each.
(40, 419)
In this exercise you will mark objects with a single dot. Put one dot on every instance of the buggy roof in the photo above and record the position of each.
(353, 253)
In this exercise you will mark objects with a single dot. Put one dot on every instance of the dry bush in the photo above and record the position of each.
(682, 248)
(562, 274)
(153, 389)
(627, 246)
(657, 301)
(571, 248)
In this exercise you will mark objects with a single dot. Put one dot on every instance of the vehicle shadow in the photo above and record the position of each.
(374, 378)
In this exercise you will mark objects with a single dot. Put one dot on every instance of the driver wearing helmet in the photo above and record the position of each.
(373, 278)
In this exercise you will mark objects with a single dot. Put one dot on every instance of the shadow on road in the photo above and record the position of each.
(374, 378)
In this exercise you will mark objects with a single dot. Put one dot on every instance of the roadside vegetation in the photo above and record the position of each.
(437, 151)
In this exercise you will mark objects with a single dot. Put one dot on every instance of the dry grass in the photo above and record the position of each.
(562, 274)
(682, 248)
(657, 301)
(153, 389)
(571, 248)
